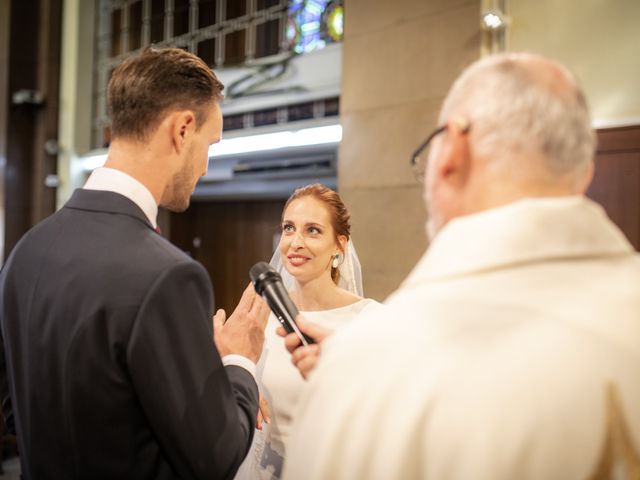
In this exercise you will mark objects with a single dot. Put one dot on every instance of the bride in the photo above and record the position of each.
(321, 271)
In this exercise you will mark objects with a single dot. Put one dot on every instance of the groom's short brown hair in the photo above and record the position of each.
(145, 87)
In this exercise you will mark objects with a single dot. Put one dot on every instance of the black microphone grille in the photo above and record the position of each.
(258, 269)
(260, 273)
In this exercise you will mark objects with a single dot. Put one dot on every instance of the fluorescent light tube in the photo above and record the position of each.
(272, 141)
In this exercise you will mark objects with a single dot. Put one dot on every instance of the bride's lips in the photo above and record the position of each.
(297, 260)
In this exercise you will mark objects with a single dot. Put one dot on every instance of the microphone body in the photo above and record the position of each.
(268, 284)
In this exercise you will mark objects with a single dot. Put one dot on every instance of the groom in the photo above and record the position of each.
(109, 366)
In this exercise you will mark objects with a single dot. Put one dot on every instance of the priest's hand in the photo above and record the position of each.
(306, 357)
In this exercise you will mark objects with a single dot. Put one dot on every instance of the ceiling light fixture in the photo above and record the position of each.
(494, 20)
(270, 141)
(325, 135)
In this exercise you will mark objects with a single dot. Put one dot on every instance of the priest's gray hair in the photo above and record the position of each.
(524, 105)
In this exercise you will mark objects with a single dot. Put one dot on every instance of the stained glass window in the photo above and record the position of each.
(314, 23)
(223, 33)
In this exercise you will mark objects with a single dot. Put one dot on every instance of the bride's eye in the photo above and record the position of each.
(314, 231)
(287, 228)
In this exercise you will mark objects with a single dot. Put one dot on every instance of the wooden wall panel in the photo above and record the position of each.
(616, 183)
(33, 64)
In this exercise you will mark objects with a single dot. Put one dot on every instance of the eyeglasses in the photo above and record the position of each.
(421, 155)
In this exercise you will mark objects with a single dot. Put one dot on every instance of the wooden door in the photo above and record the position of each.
(228, 238)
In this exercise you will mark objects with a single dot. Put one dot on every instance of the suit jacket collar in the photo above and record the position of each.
(107, 202)
(528, 231)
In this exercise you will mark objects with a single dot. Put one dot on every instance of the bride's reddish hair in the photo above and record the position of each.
(337, 211)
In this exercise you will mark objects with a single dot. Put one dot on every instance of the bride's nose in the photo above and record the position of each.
(297, 240)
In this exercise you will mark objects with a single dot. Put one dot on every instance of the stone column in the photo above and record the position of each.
(399, 59)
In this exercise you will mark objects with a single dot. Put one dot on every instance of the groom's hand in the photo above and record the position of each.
(243, 332)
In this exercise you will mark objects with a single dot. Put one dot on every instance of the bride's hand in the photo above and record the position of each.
(263, 413)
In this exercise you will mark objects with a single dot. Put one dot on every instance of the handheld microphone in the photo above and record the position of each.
(268, 283)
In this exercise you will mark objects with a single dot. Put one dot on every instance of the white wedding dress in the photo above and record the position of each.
(279, 380)
(280, 384)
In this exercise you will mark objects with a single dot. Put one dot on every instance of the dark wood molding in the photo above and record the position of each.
(48, 80)
(5, 6)
(619, 139)
(21, 120)
(616, 183)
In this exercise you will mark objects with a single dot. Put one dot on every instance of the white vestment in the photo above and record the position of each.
(512, 351)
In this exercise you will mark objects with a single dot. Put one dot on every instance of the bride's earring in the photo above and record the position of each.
(336, 260)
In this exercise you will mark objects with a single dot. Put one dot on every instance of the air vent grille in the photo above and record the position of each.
(323, 108)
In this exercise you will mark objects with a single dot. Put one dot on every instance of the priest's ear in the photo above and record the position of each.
(453, 162)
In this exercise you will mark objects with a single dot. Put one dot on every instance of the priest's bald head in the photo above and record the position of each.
(514, 125)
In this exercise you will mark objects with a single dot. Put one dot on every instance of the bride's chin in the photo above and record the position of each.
(293, 270)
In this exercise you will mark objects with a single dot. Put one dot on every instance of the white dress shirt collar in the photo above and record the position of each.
(112, 180)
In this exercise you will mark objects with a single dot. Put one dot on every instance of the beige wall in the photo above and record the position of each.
(599, 40)
(74, 125)
(399, 59)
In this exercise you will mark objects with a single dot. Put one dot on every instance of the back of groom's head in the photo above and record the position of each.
(145, 87)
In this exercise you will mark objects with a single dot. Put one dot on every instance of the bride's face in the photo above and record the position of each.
(308, 241)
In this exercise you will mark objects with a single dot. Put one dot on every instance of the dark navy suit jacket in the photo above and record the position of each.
(108, 367)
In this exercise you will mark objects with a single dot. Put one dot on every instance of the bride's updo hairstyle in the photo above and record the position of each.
(337, 211)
